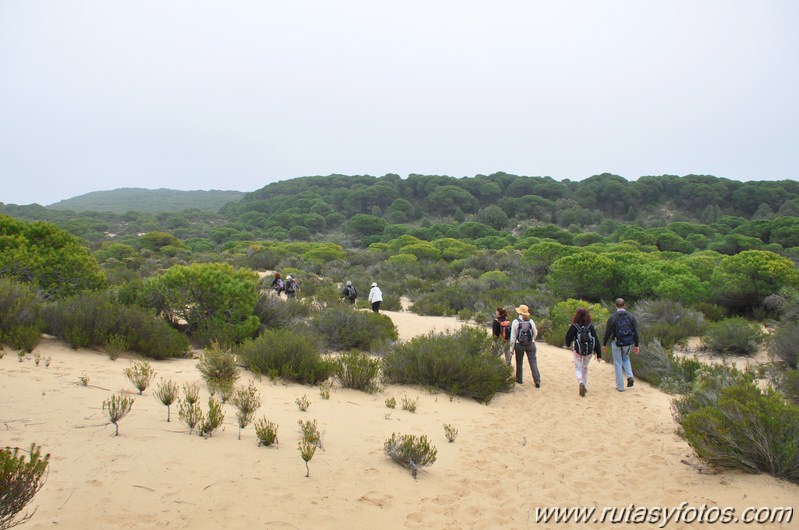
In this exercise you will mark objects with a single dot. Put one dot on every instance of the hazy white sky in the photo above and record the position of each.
(234, 94)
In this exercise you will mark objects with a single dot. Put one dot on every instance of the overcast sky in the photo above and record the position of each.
(197, 94)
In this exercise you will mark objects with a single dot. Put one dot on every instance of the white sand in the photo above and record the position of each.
(530, 448)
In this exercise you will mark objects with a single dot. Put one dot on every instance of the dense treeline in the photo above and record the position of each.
(363, 209)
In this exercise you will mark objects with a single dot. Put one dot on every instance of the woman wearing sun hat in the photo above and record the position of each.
(522, 337)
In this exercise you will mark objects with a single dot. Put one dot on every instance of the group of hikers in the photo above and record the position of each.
(517, 337)
(375, 295)
(290, 287)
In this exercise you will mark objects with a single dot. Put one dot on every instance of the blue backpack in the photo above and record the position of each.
(625, 334)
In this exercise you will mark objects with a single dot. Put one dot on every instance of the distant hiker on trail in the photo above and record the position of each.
(522, 337)
(291, 287)
(501, 331)
(277, 284)
(623, 329)
(375, 297)
(584, 342)
(349, 293)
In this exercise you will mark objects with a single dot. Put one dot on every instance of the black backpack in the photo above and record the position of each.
(291, 286)
(525, 336)
(625, 334)
(585, 342)
(352, 293)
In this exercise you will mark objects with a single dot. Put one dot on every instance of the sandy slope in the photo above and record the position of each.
(527, 449)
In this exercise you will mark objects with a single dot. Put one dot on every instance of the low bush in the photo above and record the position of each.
(92, 319)
(342, 328)
(117, 408)
(712, 312)
(788, 383)
(275, 312)
(20, 325)
(660, 368)
(140, 375)
(783, 344)
(290, 355)
(734, 336)
(748, 429)
(668, 321)
(247, 401)
(460, 363)
(358, 371)
(213, 420)
(218, 367)
(266, 431)
(410, 451)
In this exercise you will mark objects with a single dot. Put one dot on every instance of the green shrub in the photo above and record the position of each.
(213, 420)
(21, 478)
(410, 451)
(20, 325)
(342, 328)
(660, 368)
(117, 408)
(22, 337)
(291, 355)
(747, 429)
(788, 384)
(783, 344)
(357, 370)
(459, 363)
(668, 321)
(274, 312)
(218, 367)
(266, 431)
(247, 402)
(712, 312)
(91, 319)
(734, 336)
(140, 374)
(709, 382)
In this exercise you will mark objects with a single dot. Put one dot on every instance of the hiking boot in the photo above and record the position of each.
(630, 382)
(582, 390)
(538, 385)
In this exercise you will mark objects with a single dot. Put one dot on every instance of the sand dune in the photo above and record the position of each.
(527, 449)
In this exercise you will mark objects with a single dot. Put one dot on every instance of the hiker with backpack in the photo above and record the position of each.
(501, 331)
(623, 329)
(277, 284)
(349, 293)
(375, 297)
(291, 287)
(584, 342)
(522, 336)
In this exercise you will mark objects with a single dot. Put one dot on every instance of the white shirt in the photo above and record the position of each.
(375, 294)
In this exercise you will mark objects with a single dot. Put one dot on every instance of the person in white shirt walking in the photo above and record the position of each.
(375, 297)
